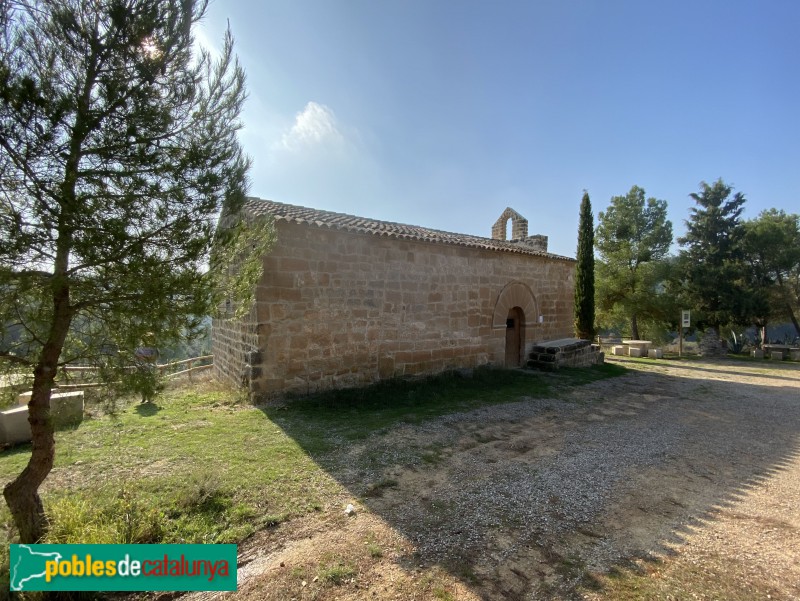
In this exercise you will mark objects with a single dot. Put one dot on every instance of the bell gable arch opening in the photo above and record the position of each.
(519, 226)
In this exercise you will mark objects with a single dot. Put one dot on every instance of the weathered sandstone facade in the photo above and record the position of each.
(346, 301)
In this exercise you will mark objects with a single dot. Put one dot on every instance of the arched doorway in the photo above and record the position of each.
(515, 337)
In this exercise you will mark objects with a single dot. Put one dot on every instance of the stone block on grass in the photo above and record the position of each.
(66, 408)
(14, 426)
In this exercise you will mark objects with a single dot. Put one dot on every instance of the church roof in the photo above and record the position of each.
(364, 225)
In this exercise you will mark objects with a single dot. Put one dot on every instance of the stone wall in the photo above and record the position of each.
(337, 309)
(233, 344)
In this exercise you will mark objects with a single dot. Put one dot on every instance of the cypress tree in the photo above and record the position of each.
(584, 273)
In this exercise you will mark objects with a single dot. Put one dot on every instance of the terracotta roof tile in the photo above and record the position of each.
(341, 221)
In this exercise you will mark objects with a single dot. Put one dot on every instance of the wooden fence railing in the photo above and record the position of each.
(168, 370)
(188, 370)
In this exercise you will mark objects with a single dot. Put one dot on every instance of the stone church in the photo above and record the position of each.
(346, 301)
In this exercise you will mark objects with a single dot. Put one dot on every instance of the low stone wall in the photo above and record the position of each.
(567, 352)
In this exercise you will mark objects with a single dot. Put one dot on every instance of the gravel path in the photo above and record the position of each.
(529, 497)
(685, 473)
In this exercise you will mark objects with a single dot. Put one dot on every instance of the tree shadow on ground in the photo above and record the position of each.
(147, 409)
(531, 499)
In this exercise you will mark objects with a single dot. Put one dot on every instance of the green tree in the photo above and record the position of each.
(712, 268)
(119, 150)
(633, 237)
(584, 272)
(771, 246)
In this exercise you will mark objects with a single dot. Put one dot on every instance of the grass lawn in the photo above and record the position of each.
(201, 465)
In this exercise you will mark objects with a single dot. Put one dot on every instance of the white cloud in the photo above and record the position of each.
(315, 160)
(315, 127)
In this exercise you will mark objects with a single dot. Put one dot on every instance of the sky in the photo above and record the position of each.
(442, 113)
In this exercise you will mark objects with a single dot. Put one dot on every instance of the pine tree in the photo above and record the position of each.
(712, 260)
(771, 246)
(118, 152)
(633, 238)
(584, 272)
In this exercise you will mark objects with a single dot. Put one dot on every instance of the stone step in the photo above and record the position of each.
(566, 352)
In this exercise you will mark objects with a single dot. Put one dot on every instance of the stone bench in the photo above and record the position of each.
(608, 342)
(778, 352)
(65, 408)
(635, 351)
(637, 348)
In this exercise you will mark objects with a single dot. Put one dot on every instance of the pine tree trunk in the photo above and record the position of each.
(22, 494)
(634, 328)
(793, 317)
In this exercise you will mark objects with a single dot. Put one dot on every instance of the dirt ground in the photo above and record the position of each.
(677, 480)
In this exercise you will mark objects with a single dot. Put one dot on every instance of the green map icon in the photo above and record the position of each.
(27, 565)
(122, 567)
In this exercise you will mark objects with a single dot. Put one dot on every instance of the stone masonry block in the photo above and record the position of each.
(635, 352)
(65, 407)
(618, 350)
(14, 426)
(71, 400)
(655, 353)
(776, 355)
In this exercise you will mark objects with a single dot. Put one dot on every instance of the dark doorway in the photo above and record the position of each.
(515, 337)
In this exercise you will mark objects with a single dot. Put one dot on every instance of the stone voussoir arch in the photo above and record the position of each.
(515, 294)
